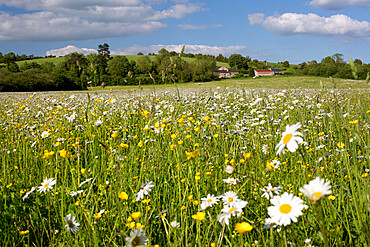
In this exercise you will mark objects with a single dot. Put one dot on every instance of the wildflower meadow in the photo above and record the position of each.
(214, 167)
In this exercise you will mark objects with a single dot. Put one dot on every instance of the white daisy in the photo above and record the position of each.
(316, 189)
(269, 223)
(265, 149)
(72, 224)
(290, 139)
(286, 208)
(229, 197)
(231, 181)
(268, 191)
(208, 201)
(47, 185)
(98, 123)
(224, 218)
(175, 224)
(144, 190)
(44, 134)
(137, 237)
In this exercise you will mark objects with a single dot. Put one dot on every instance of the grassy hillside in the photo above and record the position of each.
(57, 60)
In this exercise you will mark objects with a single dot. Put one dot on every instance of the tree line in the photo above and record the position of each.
(77, 71)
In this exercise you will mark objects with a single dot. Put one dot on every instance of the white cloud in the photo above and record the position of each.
(196, 27)
(312, 24)
(195, 49)
(61, 20)
(47, 26)
(339, 4)
(70, 49)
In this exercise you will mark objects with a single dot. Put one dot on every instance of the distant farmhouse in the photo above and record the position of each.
(267, 72)
(224, 72)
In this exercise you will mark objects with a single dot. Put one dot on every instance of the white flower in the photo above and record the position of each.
(229, 169)
(175, 224)
(75, 193)
(144, 190)
(137, 237)
(286, 208)
(268, 191)
(72, 224)
(47, 185)
(208, 201)
(265, 149)
(224, 218)
(269, 223)
(28, 193)
(98, 123)
(316, 189)
(290, 139)
(231, 181)
(44, 134)
(229, 197)
(84, 182)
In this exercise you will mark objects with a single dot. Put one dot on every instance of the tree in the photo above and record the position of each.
(163, 52)
(103, 50)
(338, 58)
(76, 61)
(9, 58)
(220, 58)
(286, 64)
(144, 64)
(237, 61)
(358, 61)
(140, 54)
(119, 66)
(328, 60)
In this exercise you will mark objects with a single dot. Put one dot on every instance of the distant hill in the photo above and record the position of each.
(57, 60)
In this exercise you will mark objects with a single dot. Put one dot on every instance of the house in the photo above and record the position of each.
(278, 71)
(224, 72)
(263, 72)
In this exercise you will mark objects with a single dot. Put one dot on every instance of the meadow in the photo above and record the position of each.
(257, 162)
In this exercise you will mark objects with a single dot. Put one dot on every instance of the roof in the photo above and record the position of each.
(263, 70)
(276, 70)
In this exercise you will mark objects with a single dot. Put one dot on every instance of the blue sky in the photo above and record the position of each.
(271, 30)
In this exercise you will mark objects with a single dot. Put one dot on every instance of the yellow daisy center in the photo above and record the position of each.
(46, 185)
(317, 194)
(230, 199)
(285, 209)
(287, 138)
(231, 210)
(231, 181)
(209, 200)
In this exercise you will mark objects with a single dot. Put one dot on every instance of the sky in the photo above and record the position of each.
(285, 30)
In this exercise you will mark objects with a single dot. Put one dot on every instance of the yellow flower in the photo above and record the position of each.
(355, 121)
(180, 142)
(368, 112)
(197, 177)
(199, 216)
(364, 175)
(183, 180)
(216, 135)
(97, 216)
(123, 195)
(123, 145)
(196, 129)
(183, 207)
(24, 232)
(196, 203)
(190, 197)
(173, 136)
(140, 144)
(63, 153)
(188, 136)
(331, 197)
(172, 147)
(77, 203)
(9, 185)
(247, 155)
(83, 170)
(114, 134)
(243, 227)
(145, 113)
(340, 145)
(136, 215)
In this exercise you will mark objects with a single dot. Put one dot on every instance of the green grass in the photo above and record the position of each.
(122, 137)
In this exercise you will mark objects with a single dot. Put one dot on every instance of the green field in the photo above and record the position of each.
(253, 162)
